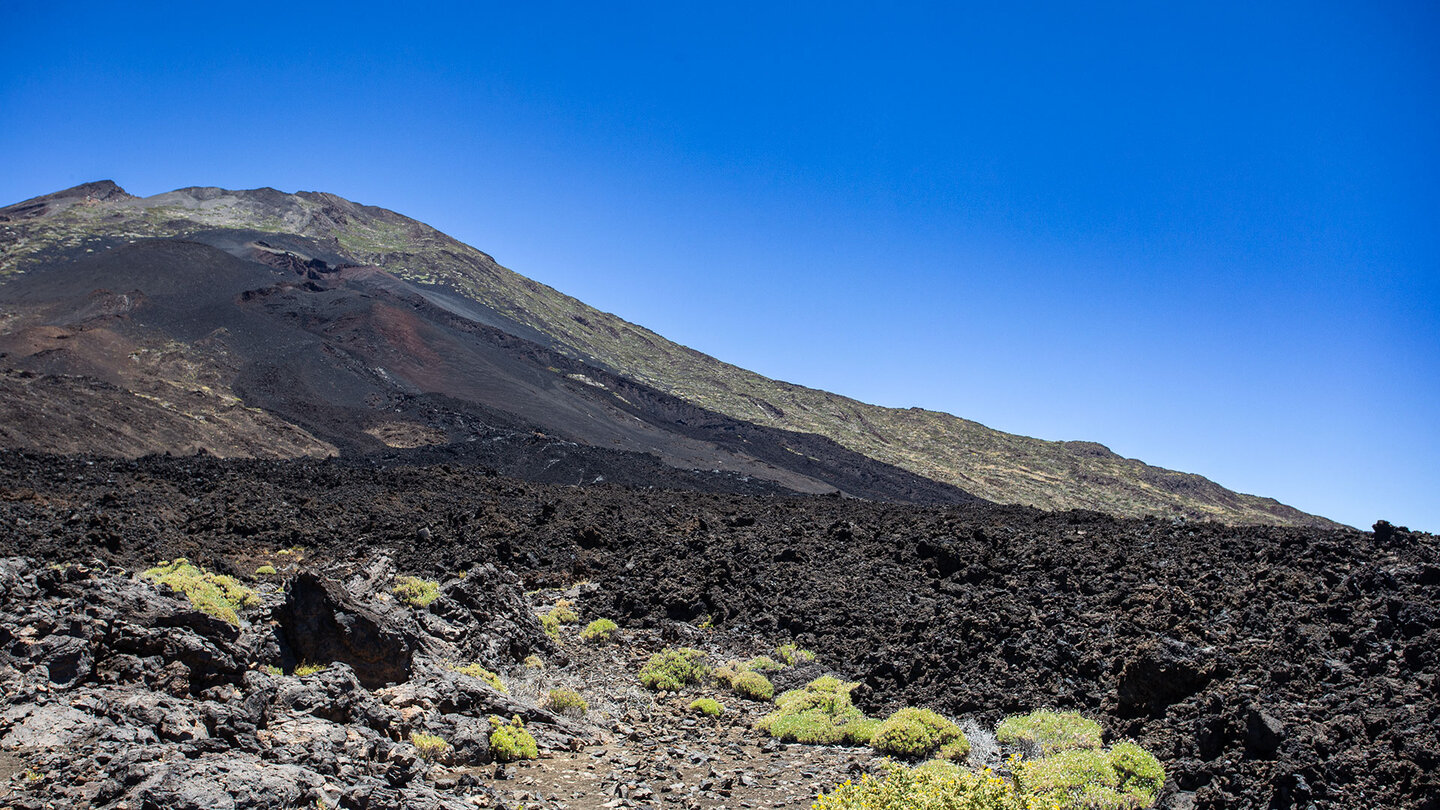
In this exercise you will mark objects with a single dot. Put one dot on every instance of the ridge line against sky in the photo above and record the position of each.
(1203, 237)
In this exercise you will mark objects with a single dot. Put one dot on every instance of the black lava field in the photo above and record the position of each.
(1267, 667)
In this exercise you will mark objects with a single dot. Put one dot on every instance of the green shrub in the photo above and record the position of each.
(564, 612)
(819, 714)
(510, 741)
(215, 594)
(306, 668)
(562, 700)
(671, 669)
(707, 706)
(600, 631)
(1064, 776)
(1141, 774)
(753, 685)
(1049, 731)
(932, 786)
(550, 625)
(265, 571)
(918, 733)
(480, 673)
(792, 655)
(763, 663)
(416, 591)
(534, 662)
(430, 747)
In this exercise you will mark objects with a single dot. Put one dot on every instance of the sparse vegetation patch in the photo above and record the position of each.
(478, 672)
(510, 741)
(1050, 731)
(216, 594)
(819, 714)
(670, 670)
(707, 706)
(912, 733)
(566, 701)
(600, 631)
(415, 591)
(430, 747)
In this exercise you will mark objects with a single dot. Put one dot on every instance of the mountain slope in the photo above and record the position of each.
(992, 464)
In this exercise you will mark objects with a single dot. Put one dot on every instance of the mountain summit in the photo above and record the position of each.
(262, 323)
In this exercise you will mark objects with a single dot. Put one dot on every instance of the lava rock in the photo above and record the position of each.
(321, 623)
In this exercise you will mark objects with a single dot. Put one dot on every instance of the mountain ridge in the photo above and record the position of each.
(998, 466)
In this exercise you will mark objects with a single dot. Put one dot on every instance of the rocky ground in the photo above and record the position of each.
(1275, 668)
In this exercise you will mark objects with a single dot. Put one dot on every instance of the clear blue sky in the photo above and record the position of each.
(1207, 236)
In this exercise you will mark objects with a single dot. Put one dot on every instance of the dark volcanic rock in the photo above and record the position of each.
(1163, 673)
(320, 623)
(491, 622)
(1268, 668)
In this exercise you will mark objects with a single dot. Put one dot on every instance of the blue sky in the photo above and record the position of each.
(1206, 236)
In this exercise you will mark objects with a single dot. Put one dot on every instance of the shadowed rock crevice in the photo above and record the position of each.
(321, 624)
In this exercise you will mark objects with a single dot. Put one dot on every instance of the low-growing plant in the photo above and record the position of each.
(416, 591)
(819, 714)
(1064, 776)
(793, 655)
(430, 747)
(600, 631)
(534, 662)
(707, 706)
(913, 733)
(564, 612)
(307, 668)
(566, 700)
(931, 786)
(763, 663)
(510, 742)
(1050, 732)
(753, 685)
(215, 594)
(550, 625)
(1141, 774)
(480, 673)
(272, 670)
(672, 668)
(265, 571)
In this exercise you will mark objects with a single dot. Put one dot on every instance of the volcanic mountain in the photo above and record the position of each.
(265, 324)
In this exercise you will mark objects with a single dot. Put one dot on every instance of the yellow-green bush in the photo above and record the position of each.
(480, 673)
(430, 747)
(707, 706)
(306, 668)
(1140, 773)
(510, 741)
(416, 591)
(215, 594)
(600, 631)
(265, 571)
(671, 669)
(819, 714)
(550, 625)
(763, 663)
(753, 685)
(914, 733)
(564, 612)
(1067, 774)
(932, 786)
(792, 655)
(561, 700)
(1050, 731)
